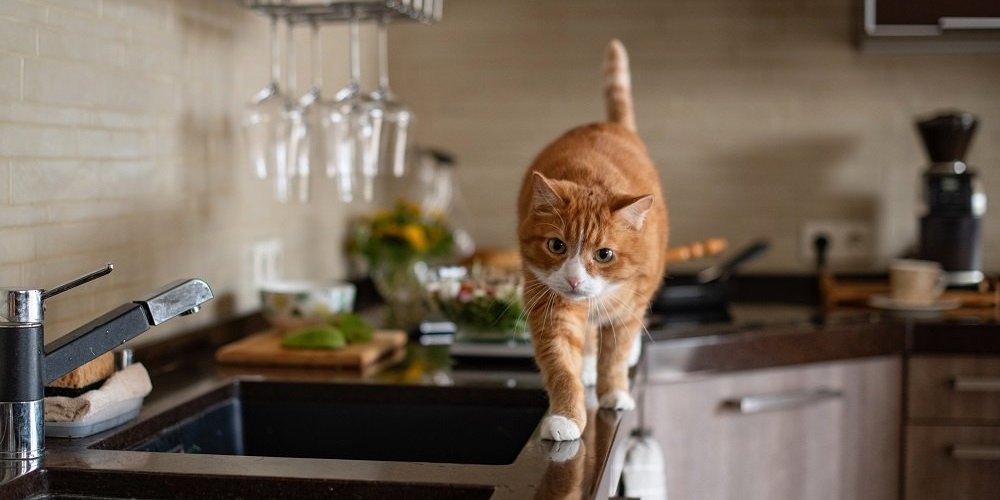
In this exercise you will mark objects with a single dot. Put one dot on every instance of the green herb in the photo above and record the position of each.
(315, 337)
(353, 327)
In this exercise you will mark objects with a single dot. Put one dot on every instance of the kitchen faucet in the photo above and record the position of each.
(27, 365)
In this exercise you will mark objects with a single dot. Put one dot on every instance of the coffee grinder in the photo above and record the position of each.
(954, 201)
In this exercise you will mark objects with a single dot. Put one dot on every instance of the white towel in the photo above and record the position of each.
(117, 392)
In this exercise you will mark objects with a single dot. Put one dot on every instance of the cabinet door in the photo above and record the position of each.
(957, 463)
(823, 431)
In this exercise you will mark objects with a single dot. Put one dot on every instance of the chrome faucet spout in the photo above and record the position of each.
(174, 299)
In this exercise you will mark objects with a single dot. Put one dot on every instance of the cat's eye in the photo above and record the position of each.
(556, 246)
(604, 255)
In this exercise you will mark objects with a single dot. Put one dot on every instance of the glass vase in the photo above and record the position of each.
(400, 287)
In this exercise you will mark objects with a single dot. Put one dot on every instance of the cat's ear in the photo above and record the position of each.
(632, 211)
(543, 195)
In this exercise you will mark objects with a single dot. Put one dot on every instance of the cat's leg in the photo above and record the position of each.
(616, 341)
(558, 343)
(589, 370)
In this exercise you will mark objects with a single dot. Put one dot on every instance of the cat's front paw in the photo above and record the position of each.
(561, 451)
(588, 373)
(617, 400)
(559, 428)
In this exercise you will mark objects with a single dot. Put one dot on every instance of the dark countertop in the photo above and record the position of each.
(761, 336)
(579, 469)
(764, 335)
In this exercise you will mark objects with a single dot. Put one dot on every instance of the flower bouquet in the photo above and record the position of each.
(395, 242)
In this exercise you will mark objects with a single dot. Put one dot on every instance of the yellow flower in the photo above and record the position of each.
(414, 235)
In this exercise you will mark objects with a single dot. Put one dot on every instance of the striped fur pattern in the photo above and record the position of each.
(593, 238)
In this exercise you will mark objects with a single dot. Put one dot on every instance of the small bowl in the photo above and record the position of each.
(292, 304)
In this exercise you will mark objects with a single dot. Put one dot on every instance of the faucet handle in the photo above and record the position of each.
(86, 278)
(20, 305)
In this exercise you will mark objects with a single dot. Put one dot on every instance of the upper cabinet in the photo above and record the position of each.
(931, 25)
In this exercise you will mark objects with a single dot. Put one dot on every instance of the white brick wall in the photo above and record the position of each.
(118, 143)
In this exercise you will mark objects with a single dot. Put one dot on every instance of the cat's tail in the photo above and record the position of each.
(618, 85)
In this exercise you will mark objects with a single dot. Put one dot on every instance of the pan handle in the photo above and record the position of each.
(725, 269)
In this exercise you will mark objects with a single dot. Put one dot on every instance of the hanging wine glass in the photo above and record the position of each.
(263, 117)
(288, 184)
(306, 146)
(394, 116)
(352, 135)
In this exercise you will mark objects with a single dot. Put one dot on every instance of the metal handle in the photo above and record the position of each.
(974, 452)
(969, 23)
(976, 384)
(779, 401)
(86, 278)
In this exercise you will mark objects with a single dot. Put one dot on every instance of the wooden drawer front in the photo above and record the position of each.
(817, 432)
(954, 388)
(957, 463)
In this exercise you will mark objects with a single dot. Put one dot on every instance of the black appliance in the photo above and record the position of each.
(954, 202)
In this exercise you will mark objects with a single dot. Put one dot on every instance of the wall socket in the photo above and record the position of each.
(848, 241)
(264, 261)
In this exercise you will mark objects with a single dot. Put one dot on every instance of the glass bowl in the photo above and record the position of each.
(485, 305)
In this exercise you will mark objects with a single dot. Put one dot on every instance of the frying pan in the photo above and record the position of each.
(709, 289)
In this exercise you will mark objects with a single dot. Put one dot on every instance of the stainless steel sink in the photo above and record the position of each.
(459, 425)
(66, 484)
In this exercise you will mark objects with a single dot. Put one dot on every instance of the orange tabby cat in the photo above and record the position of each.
(593, 239)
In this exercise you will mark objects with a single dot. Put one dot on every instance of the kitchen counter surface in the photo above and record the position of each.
(578, 469)
(761, 336)
(771, 335)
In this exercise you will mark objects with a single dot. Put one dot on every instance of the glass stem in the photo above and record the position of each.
(290, 59)
(355, 55)
(383, 58)
(315, 65)
(275, 65)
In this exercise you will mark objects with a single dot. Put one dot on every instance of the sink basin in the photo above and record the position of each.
(64, 484)
(460, 425)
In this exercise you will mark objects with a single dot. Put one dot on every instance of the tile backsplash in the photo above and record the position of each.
(119, 142)
(119, 130)
(760, 115)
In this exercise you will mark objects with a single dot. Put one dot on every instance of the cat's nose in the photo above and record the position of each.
(573, 282)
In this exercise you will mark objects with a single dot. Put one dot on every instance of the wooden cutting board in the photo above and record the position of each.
(265, 349)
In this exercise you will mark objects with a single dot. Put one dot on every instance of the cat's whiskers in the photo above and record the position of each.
(548, 309)
(534, 301)
(530, 288)
(642, 323)
(591, 305)
(609, 320)
(537, 299)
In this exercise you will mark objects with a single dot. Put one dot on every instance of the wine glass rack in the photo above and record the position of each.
(424, 11)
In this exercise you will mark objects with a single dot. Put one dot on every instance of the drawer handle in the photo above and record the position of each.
(969, 23)
(976, 384)
(779, 401)
(972, 452)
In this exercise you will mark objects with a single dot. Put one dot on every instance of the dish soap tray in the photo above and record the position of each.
(112, 416)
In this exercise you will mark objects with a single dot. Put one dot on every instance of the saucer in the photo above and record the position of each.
(886, 302)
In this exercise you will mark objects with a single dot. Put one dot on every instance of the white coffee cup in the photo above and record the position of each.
(916, 281)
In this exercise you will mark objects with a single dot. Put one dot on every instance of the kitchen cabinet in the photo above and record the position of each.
(818, 431)
(952, 444)
(935, 14)
(930, 26)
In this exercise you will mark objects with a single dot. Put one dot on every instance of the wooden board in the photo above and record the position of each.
(265, 349)
(839, 294)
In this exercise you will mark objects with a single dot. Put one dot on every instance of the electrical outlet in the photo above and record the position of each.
(264, 261)
(848, 241)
